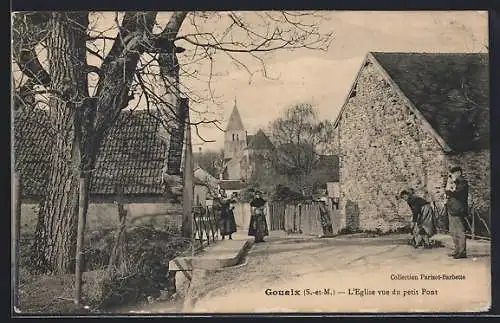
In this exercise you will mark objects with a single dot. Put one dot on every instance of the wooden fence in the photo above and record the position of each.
(205, 229)
(477, 226)
(300, 218)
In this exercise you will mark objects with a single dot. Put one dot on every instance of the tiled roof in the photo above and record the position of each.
(451, 90)
(259, 141)
(32, 142)
(132, 151)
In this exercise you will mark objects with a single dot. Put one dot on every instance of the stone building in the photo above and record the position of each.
(243, 153)
(406, 120)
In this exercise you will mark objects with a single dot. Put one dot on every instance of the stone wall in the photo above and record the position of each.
(105, 215)
(384, 149)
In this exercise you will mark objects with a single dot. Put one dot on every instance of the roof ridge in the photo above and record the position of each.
(413, 76)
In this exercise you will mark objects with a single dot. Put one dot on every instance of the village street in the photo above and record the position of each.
(342, 266)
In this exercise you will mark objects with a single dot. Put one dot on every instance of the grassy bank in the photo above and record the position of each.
(142, 276)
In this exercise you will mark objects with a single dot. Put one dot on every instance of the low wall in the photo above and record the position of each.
(105, 215)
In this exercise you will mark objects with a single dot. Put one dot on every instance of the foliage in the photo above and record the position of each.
(263, 174)
(148, 252)
(300, 137)
(284, 193)
(210, 161)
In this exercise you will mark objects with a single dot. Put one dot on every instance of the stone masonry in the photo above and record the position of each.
(384, 149)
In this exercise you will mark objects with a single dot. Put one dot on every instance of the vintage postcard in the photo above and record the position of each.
(250, 162)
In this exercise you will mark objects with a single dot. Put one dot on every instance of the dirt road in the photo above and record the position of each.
(357, 276)
(325, 275)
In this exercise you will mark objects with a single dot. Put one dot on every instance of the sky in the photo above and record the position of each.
(324, 78)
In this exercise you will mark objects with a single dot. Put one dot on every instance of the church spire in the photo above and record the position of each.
(234, 123)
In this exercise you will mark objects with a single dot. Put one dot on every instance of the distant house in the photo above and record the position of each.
(243, 153)
(137, 155)
(407, 118)
(232, 186)
(201, 192)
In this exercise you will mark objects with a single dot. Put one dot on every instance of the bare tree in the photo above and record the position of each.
(210, 161)
(300, 137)
(52, 51)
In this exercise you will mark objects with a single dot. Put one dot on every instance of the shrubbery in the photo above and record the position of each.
(147, 253)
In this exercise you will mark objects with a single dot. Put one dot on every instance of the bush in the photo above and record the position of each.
(284, 193)
(148, 251)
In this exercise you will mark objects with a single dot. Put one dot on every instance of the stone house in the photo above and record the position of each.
(244, 154)
(138, 155)
(407, 119)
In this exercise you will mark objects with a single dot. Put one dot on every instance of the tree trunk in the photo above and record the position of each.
(118, 260)
(55, 237)
(16, 234)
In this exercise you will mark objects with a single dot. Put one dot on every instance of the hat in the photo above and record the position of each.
(404, 192)
(258, 192)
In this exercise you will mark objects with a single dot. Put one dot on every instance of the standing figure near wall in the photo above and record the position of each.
(258, 223)
(326, 221)
(227, 223)
(457, 195)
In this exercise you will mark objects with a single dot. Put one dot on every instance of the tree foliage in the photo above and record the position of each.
(300, 137)
(210, 160)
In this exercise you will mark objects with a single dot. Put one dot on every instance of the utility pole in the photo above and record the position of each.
(188, 193)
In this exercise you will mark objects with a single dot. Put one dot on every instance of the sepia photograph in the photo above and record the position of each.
(242, 162)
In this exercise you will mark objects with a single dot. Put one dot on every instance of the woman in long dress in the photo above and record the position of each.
(424, 219)
(227, 223)
(258, 223)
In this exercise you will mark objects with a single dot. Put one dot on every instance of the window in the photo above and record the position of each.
(233, 136)
(237, 137)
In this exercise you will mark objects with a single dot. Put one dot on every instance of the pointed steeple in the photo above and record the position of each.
(234, 123)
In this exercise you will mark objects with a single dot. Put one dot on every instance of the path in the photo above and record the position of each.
(348, 266)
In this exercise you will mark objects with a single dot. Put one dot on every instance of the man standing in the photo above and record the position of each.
(457, 195)
(326, 222)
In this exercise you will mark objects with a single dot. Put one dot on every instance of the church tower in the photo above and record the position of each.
(235, 144)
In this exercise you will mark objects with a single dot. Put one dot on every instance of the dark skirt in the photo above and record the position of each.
(427, 220)
(258, 219)
(227, 223)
